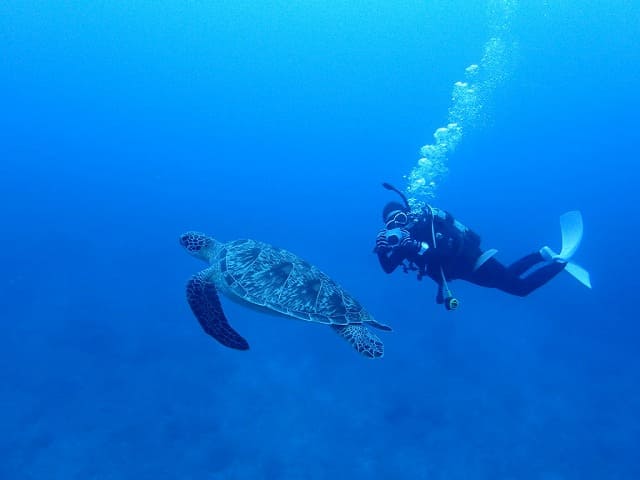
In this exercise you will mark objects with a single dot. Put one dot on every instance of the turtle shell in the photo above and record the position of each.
(276, 279)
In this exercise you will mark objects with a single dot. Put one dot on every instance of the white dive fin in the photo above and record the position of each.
(579, 273)
(571, 227)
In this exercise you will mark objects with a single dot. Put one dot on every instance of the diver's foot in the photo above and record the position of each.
(549, 255)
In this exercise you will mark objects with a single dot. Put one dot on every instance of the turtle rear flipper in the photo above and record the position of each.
(361, 339)
(205, 304)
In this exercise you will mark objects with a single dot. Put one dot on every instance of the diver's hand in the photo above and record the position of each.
(414, 246)
(382, 245)
(410, 244)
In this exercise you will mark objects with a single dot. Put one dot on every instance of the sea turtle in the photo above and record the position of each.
(272, 280)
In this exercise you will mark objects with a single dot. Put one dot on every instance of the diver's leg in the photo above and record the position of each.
(491, 274)
(518, 267)
(535, 280)
(495, 275)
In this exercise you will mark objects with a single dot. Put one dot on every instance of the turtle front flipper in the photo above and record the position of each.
(205, 304)
(361, 339)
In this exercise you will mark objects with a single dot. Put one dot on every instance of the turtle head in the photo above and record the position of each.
(198, 244)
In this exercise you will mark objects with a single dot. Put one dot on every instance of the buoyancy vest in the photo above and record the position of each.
(455, 246)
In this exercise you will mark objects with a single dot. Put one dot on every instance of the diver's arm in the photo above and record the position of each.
(390, 259)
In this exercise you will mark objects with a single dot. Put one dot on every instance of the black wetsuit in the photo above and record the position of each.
(455, 253)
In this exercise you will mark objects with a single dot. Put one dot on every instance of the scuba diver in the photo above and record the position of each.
(432, 242)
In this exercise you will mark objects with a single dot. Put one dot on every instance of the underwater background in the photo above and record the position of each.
(124, 124)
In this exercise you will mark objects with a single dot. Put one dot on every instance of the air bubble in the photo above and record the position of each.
(468, 99)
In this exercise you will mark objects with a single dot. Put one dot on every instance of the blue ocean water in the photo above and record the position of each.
(124, 124)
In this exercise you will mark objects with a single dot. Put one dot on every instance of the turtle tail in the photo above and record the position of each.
(205, 303)
(361, 339)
